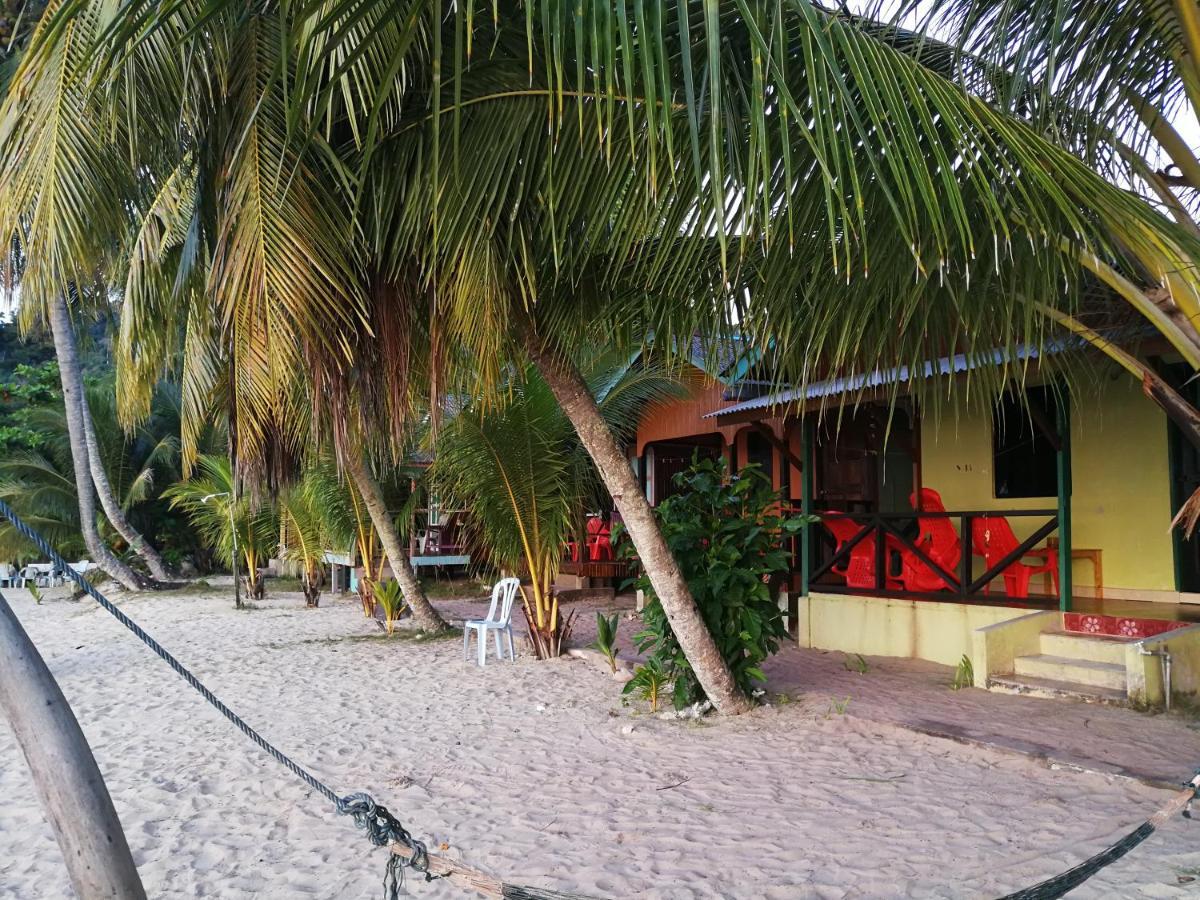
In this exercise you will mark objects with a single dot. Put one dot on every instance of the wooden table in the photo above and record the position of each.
(1094, 556)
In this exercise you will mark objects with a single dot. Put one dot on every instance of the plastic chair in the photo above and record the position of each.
(859, 570)
(993, 539)
(937, 539)
(599, 544)
(503, 595)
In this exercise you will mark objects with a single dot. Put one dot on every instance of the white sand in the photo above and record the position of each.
(526, 770)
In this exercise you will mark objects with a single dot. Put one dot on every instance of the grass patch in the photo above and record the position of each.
(964, 674)
(453, 588)
(856, 662)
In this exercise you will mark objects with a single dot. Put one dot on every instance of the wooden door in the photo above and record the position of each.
(847, 464)
(865, 464)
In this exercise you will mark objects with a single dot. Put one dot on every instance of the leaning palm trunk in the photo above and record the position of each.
(112, 508)
(423, 612)
(696, 641)
(72, 387)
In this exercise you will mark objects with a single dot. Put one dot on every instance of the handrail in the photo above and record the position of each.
(888, 539)
(930, 514)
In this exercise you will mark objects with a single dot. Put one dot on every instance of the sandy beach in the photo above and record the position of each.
(536, 772)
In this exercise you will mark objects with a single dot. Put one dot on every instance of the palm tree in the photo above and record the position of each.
(40, 487)
(40, 484)
(369, 492)
(305, 535)
(1107, 80)
(52, 283)
(663, 167)
(226, 521)
(521, 473)
(346, 523)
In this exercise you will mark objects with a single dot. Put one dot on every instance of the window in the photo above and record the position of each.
(1024, 434)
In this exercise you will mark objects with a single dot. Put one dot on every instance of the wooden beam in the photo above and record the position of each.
(780, 445)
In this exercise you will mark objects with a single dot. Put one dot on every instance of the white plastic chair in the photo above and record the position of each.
(497, 621)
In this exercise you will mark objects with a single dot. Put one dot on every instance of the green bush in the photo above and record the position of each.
(964, 675)
(648, 682)
(606, 638)
(391, 600)
(728, 542)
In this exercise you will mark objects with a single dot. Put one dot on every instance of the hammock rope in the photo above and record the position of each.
(382, 828)
(407, 852)
(1059, 885)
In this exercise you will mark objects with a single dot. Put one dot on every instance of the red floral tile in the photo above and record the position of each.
(1118, 626)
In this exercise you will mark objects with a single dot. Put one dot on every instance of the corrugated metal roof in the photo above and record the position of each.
(946, 365)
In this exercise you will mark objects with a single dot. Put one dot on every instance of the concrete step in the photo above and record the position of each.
(1048, 687)
(1076, 671)
(1088, 647)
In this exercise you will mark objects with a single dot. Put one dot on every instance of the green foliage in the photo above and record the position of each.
(28, 389)
(728, 543)
(311, 521)
(964, 674)
(525, 481)
(648, 682)
(34, 591)
(606, 637)
(254, 524)
(95, 577)
(40, 483)
(391, 600)
(856, 662)
(838, 707)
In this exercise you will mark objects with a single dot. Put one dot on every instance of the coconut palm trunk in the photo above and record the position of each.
(72, 387)
(694, 638)
(112, 507)
(423, 612)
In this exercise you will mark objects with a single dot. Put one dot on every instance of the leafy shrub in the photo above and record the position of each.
(391, 601)
(964, 675)
(856, 663)
(606, 638)
(648, 682)
(728, 543)
(94, 576)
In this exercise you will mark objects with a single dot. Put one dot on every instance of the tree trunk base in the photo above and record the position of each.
(549, 643)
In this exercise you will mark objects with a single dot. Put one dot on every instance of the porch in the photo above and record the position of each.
(1071, 503)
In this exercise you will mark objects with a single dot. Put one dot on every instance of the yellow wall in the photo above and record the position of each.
(1146, 672)
(877, 626)
(1121, 501)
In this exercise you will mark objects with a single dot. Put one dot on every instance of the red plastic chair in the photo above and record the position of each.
(937, 539)
(599, 541)
(993, 539)
(859, 569)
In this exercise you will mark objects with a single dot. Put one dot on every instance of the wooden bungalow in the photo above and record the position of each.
(1031, 536)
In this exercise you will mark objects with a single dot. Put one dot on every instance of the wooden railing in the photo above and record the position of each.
(891, 540)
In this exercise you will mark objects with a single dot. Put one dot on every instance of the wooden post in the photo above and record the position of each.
(1063, 469)
(65, 773)
(806, 491)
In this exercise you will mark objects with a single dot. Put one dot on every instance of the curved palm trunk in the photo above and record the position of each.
(112, 508)
(72, 387)
(423, 612)
(694, 637)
